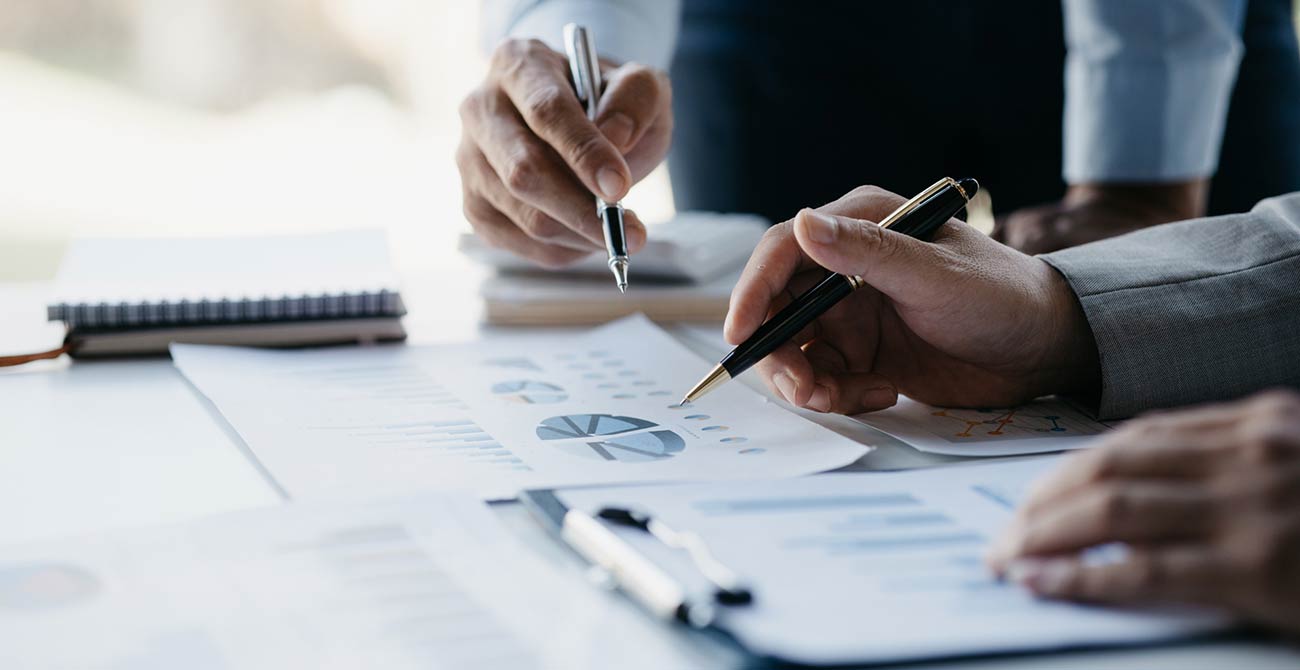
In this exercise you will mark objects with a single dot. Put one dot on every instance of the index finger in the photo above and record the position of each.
(775, 260)
(536, 82)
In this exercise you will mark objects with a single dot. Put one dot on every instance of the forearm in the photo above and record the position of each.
(641, 31)
(1194, 311)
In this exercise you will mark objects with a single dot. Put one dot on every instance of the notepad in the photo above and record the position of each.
(685, 272)
(126, 296)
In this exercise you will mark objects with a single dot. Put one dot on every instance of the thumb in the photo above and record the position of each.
(890, 262)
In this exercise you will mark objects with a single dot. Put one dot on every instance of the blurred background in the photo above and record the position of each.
(202, 117)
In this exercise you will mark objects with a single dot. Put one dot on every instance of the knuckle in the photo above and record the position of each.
(1148, 572)
(1266, 446)
(540, 226)
(523, 173)
(642, 79)
(546, 105)
(1116, 507)
(586, 149)
(475, 210)
(510, 53)
(867, 191)
(1277, 404)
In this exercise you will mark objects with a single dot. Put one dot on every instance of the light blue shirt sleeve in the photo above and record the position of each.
(642, 31)
(1147, 86)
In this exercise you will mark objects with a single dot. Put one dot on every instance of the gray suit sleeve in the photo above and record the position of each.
(1194, 311)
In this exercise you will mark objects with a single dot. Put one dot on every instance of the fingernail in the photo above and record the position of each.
(822, 228)
(611, 183)
(1020, 571)
(1045, 576)
(785, 384)
(820, 400)
(879, 398)
(618, 130)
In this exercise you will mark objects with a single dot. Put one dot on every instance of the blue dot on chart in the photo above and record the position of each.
(733, 440)
(593, 375)
(627, 373)
(684, 405)
(624, 396)
(643, 382)
(714, 428)
(566, 357)
(579, 366)
(612, 364)
(697, 417)
(607, 385)
(598, 354)
(752, 450)
(660, 393)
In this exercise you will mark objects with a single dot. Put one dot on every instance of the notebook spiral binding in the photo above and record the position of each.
(103, 315)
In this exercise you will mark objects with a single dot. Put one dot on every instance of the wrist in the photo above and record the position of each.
(1158, 202)
(1071, 363)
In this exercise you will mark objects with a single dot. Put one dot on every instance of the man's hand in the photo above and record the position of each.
(530, 159)
(1091, 212)
(961, 321)
(1208, 501)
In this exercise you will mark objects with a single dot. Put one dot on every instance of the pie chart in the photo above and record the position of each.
(610, 437)
(529, 392)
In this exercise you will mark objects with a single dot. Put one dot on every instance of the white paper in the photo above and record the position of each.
(497, 416)
(387, 585)
(426, 582)
(879, 567)
(1038, 427)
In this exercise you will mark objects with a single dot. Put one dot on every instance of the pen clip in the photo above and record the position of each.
(584, 66)
(728, 588)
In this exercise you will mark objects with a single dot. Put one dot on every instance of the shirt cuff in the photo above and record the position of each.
(643, 32)
(1147, 89)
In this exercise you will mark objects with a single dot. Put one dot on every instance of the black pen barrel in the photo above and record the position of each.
(787, 323)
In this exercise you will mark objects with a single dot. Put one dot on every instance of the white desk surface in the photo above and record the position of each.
(98, 445)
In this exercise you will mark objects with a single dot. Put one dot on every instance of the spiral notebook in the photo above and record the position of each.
(136, 296)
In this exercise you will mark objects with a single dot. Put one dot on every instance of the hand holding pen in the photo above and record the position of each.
(531, 160)
(932, 319)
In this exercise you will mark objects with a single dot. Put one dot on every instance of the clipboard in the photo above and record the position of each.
(845, 569)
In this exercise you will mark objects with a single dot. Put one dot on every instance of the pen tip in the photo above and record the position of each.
(618, 266)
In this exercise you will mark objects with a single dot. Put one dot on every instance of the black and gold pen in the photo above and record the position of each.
(918, 217)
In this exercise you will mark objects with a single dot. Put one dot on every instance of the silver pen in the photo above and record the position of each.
(580, 47)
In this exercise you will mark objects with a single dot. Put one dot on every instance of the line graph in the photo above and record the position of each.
(1035, 420)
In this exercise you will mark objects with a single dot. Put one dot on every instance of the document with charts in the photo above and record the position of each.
(877, 567)
(496, 416)
(1048, 424)
(395, 585)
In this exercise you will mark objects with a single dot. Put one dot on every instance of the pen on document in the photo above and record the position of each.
(580, 47)
(918, 217)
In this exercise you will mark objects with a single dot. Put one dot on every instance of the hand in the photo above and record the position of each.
(1207, 499)
(962, 321)
(530, 159)
(1091, 212)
